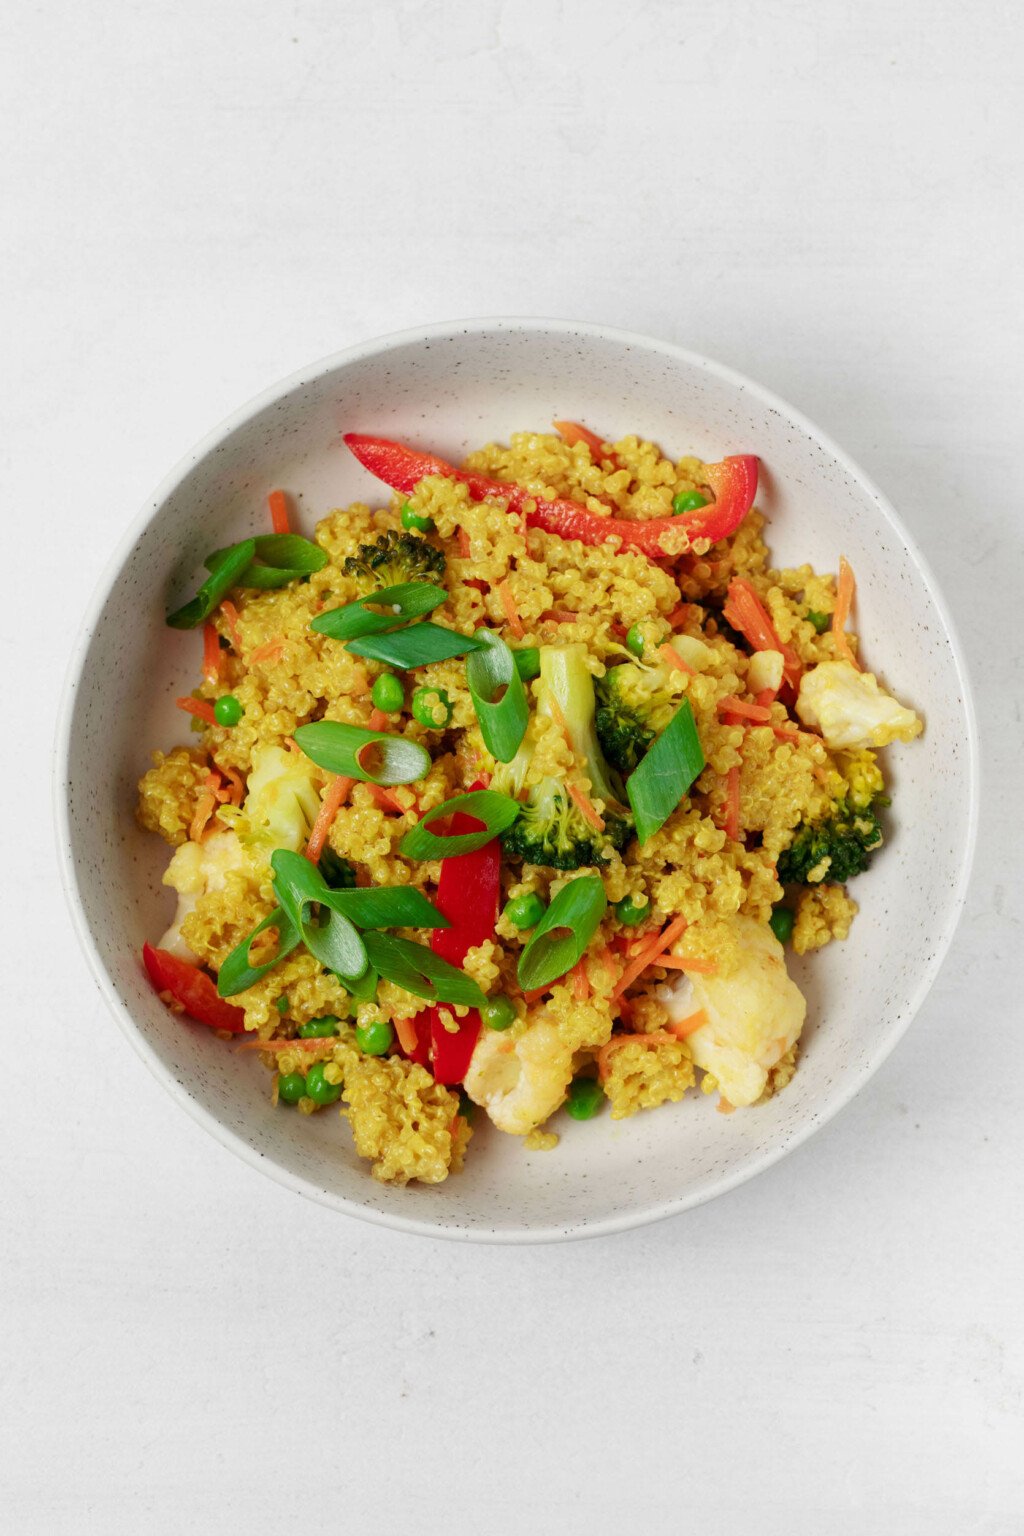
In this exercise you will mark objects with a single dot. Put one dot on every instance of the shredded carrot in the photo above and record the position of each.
(845, 590)
(202, 709)
(337, 793)
(385, 799)
(236, 785)
(724, 1107)
(678, 615)
(378, 719)
(732, 804)
(580, 980)
(586, 807)
(559, 616)
(408, 1038)
(765, 697)
(278, 504)
(293, 745)
(465, 548)
(530, 998)
(571, 432)
(689, 1025)
(696, 965)
(205, 807)
(474, 581)
(745, 611)
(211, 653)
(790, 732)
(672, 656)
(559, 718)
(230, 613)
(215, 784)
(741, 707)
(515, 623)
(658, 945)
(269, 652)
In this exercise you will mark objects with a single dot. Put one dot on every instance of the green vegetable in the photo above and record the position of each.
(562, 935)
(551, 829)
(821, 621)
(688, 501)
(585, 1098)
(635, 640)
(337, 872)
(216, 586)
(282, 1004)
(833, 850)
(666, 773)
(525, 911)
(496, 811)
(378, 612)
(781, 923)
(394, 558)
(411, 519)
(373, 756)
(376, 1038)
(631, 912)
(291, 1087)
(498, 1012)
(279, 559)
(418, 970)
(389, 906)
(635, 701)
(387, 693)
(432, 707)
(317, 1086)
(330, 937)
(416, 646)
(227, 710)
(527, 662)
(319, 1029)
(363, 989)
(237, 972)
(498, 695)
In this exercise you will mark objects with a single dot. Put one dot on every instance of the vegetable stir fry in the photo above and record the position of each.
(510, 794)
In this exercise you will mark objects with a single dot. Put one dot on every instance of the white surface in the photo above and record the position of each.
(198, 199)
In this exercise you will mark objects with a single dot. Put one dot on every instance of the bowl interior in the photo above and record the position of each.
(451, 389)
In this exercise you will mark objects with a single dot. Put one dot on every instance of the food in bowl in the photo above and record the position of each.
(509, 796)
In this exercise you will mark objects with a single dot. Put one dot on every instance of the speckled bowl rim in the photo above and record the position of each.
(585, 330)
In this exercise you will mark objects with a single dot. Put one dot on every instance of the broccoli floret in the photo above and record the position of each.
(833, 850)
(551, 830)
(634, 704)
(395, 558)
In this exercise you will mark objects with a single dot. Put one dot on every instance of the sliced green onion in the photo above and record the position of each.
(332, 938)
(563, 933)
(217, 585)
(498, 695)
(409, 600)
(389, 906)
(496, 811)
(666, 772)
(418, 970)
(279, 559)
(372, 756)
(363, 988)
(237, 973)
(527, 662)
(416, 646)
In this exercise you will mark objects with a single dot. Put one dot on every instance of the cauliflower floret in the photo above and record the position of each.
(851, 710)
(281, 803)
(755, 1013)
(520, 1082)
(765, 671)
(195, 869)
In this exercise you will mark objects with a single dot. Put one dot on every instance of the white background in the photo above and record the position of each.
(198, 198)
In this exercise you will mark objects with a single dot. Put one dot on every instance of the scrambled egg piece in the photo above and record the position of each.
(851, 710)
(195, 870)
(755, 1014)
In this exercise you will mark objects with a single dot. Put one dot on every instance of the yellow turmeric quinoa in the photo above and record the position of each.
(690, 778)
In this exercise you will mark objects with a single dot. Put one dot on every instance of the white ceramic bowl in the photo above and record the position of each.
(448, 387)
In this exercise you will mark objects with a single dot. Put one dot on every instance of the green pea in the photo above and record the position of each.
(688, 501)
(318, 1088)
(282, 1004)
(291, 1087)
(412, 520)
(227, 710)
(498, 1012)
(374, 1039)
(387, 693)
(318, 1029)
(525, 911)
(631, 912)
(585, 1098)
(781, 923)
(635, 640)
(432, 707)
(821, 621)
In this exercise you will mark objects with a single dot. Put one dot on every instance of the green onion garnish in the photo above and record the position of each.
(363, 988)
(496, 811)
(666, 772)
(418, 970)
(330, 936)
(389, 906)
(416, 646)
(527, 662)
(279, 559)
(563, 933)
(237, 973)
(217, 585)
(372, 756)
(409, 600)
(498, 695)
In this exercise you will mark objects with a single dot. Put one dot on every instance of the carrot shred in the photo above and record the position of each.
(211, 653)
(765, 697)
(202, 709)
(269, 652)
(745, 611)
(732, 804)
(559, 719)
(672, 656)
(205, 807)
(378, 719)
(580, 980)
(385, 799)
(337, 793)
(658, 945)
(586, 807)
(678, 616)
(571, 432)
(694, 965)
(515, 623)
(845, 590)
(734, 706)
(530, 998)
(278, 504)
(559, 616)
(408, 1039)
(689, 1025)
(230, 613)
(236, 785)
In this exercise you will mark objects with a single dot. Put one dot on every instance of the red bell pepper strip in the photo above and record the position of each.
(734, 482)
(193, 989)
